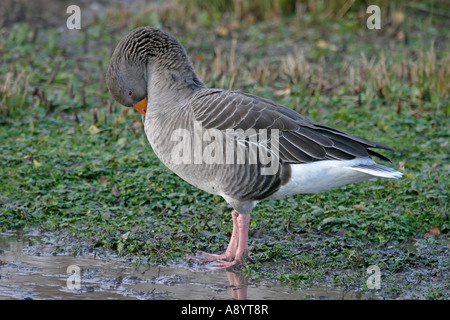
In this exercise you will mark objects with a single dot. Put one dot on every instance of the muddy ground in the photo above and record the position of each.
(42, 266)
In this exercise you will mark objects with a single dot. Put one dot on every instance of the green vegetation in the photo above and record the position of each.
(73, 161)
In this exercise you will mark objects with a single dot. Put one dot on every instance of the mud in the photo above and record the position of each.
(37, 266)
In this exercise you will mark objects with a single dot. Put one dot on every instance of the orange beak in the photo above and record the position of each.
(141, 106)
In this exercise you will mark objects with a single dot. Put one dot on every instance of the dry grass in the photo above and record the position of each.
(432, 74)
(265, 10)
(13, 93)
(406, 80)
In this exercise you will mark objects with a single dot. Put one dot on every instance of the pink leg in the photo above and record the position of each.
(237, 250)
(230, 253)
(243, 222)
(234, 241)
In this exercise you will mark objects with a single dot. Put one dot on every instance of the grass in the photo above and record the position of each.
(75, 162)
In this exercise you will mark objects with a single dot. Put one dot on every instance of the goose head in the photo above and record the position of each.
(141, 54)
(127, 85)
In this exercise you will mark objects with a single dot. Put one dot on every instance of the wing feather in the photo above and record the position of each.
(300, 139)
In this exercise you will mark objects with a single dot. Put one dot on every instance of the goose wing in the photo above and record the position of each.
(300, 139)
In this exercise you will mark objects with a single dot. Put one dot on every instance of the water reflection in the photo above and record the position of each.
(238, 285)
(35, 267)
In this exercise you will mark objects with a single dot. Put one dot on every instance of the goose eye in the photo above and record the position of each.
(130, 93)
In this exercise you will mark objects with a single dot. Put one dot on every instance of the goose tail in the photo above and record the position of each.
(377, 170)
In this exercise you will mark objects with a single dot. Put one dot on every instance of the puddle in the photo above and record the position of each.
(32, 267)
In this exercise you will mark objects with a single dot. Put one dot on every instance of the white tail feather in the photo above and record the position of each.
(324, 175)
(377, 170)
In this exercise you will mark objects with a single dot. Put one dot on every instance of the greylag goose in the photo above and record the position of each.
(240, 146)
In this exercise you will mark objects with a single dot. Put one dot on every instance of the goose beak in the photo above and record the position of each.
(141, 106)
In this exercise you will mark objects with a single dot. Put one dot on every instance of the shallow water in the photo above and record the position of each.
(32, 267)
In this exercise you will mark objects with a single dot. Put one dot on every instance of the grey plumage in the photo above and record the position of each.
(151, 63)
(301, 140)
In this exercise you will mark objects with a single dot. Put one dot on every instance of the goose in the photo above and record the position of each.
(270, 150)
